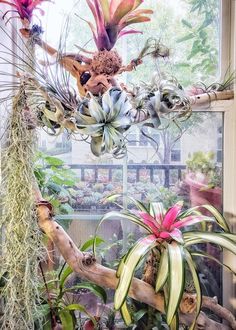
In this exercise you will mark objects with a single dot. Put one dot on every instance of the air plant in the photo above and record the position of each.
(24, 9)
(105, 121)
(112, 17)
(162, 98)
(165, 233)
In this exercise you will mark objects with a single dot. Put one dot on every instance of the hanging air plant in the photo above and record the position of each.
(105, 122)
(21, 246)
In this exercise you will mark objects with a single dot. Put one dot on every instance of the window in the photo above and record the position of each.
(199, 48)
(176, 152)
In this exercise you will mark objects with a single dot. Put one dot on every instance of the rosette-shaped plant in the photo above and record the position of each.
(165, 233)
(105, 119)
(24, 8)
(112, 17)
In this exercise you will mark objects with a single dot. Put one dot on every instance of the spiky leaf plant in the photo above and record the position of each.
(21, 243)
(163, 233)
(113, 17)
(105, 120)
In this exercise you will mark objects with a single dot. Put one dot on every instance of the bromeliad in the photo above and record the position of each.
(24, 8)
(165, 233)
(112, 17)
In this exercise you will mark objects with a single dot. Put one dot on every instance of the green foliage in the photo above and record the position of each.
(55, 181)
(204, 162)
(201, 26)
(57, 307)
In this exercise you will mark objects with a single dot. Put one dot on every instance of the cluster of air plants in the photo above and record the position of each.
(168, 234)
(106, 122)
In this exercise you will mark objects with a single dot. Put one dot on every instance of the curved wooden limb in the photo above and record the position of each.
(211, 96)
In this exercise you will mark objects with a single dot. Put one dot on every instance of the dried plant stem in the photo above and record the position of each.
(21, 236)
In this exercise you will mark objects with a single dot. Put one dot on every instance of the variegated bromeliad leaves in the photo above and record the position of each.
(169, 233)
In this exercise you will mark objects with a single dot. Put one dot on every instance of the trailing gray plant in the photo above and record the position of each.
(21, 243)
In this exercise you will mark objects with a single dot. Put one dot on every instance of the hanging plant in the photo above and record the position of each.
(21, 246)
(106, 122)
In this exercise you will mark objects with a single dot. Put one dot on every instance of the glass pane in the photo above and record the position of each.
(147, 175)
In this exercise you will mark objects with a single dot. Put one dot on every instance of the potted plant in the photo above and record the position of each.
(203, 179)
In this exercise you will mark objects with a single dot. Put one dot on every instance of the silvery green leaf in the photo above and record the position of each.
(90, 129)
(96, 146)
(96, 110)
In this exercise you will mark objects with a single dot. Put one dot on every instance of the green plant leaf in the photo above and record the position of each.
(208, 256)
(95, 289)
(197, 285)
(105, 9)
(132, 258)
(176, 279)
(66, 272)
(82, 309)
(219, 239)
(185, 38)
(121, 215)
(186, 23)
(175, 323)
(93, 241)
(216, 214)
(136, 202)
(53, 161)
(139, 314)
(219, 218)
(66, 320)
(162, 273)
(125, 314)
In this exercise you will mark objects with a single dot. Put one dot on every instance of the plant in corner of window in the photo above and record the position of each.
(204, 179)
(201, 33)
(172, 245)
(56, 183)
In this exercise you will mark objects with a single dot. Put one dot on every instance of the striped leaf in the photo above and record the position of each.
(216, 214)
(196, 282)
(175, 323)
(208, 256)
(162, 273)
(125, 215)
(176, 279)
(219, 239)
(125, 314)
(131, 260)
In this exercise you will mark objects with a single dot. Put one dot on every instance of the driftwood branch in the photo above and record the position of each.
(87, 268)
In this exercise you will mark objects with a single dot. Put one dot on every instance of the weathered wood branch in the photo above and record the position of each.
(106, 277)
(211, 96)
